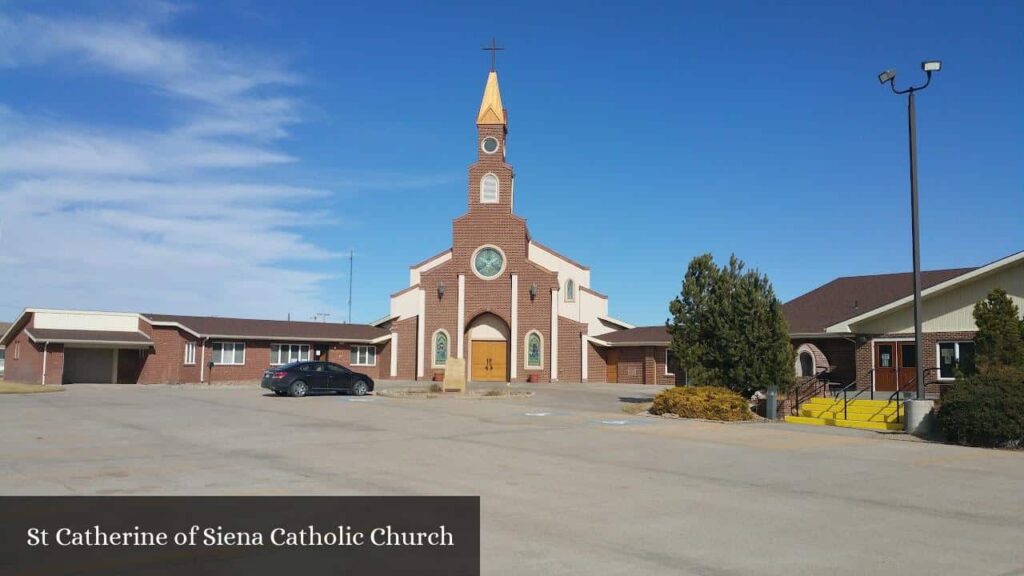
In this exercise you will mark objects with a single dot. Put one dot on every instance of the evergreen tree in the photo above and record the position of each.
(999, 343)
(728, 329)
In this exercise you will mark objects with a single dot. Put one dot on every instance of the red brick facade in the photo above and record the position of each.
(163, 362)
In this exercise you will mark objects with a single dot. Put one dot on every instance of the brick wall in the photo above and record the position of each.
(841, 354)
(570, 361)
(597, 365)
(406, 330)
(929, 357)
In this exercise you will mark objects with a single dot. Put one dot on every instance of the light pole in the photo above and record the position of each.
(889, 76)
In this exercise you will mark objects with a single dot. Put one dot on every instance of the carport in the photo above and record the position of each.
(93, 356)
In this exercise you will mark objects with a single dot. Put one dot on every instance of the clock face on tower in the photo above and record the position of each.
(488, 262)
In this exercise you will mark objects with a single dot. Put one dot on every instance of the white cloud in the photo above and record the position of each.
(157, 219)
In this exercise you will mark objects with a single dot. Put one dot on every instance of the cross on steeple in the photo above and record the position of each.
(493, 49)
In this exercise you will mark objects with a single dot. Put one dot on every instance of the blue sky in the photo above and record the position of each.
(223, 158)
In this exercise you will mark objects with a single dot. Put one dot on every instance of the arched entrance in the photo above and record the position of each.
(810, 361)
(488, 337)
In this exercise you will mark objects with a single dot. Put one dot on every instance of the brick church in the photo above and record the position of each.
(514, 309)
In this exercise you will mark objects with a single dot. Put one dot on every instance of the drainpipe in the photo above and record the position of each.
(202, 362)
(45, 344)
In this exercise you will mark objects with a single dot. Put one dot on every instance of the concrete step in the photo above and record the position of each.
(844, 423)
(871, 416)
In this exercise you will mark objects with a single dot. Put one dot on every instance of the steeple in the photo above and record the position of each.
(491, 110)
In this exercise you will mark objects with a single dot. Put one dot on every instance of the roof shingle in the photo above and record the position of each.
(851, 296)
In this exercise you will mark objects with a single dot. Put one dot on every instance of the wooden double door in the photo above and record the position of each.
(489, 362)
(895, 365)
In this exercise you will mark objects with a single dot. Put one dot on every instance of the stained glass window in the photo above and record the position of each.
(534, 350)
(440, 349)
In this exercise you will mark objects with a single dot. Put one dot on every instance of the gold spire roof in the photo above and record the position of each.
(491, 110)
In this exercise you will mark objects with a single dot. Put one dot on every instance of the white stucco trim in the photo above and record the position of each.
(584, 364)
(460, 351)
(420, 328)
(415, 271)
(554, 334)
(616, 321)
(844, 326)
(514, 336)
(394, 354)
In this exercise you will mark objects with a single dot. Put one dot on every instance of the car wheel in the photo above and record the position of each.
(298, 389)
(359, 388)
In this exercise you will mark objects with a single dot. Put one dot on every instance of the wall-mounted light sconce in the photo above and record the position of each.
(440, 290)
(533, 291)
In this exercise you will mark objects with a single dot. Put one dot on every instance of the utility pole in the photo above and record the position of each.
(351, 257)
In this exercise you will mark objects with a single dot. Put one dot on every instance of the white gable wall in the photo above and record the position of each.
(80, 320)
(951, 310)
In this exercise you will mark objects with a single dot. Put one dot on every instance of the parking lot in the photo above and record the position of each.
(569, 484)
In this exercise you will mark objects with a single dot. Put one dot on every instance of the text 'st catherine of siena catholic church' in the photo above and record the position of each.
(513, 308)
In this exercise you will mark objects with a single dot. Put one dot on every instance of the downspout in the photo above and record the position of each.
(202, 362)
(45, 344)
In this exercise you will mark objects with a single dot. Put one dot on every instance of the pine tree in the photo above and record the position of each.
(999, 343)
(728, 329)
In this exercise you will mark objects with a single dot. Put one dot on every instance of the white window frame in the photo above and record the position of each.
(290, 358)
(667, 373)
(526, 350)
(234, 348)
(433, 348)
(570, 290)
(364, 350)
(497, 189)
(956, 351)
(190, 353)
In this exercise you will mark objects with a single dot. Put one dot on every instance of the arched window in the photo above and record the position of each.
(806, 364)
(570, 290)
(489, 189)
(534, 350)
(440, 348)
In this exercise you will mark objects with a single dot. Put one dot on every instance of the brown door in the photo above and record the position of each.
(885, 366)
(906, 369)
(895, 365)
(613, 366)
(489, 362)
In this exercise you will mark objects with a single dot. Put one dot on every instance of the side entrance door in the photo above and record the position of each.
(489, 361)
(613, 365)
(895, 365)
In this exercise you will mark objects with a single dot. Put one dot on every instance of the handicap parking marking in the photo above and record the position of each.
(622, 422)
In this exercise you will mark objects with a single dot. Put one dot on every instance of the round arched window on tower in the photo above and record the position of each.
(489, 145)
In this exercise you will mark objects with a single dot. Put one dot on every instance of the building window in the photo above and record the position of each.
(285, 353)
(534, 350)
(953, 355)
(489, 189)
(570, 290)
(670, 363)
(17, 350)
(364, 355)
(229, 353)
(440, 348)
(190, 353)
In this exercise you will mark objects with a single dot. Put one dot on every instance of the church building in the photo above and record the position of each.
(514, 309)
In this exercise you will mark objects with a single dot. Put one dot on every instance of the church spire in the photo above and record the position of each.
(491, 110)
